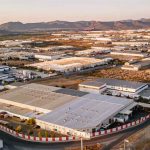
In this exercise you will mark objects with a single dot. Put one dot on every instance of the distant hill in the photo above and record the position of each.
(79, 25)
(4, 32)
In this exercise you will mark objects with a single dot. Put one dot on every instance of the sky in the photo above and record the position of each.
(72, 10)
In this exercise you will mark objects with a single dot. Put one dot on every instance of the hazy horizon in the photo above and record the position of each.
(72, 20)
(29, 11)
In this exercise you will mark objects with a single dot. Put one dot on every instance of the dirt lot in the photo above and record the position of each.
(116, 73)
(16, 63)
(68, 82)
(91, 147)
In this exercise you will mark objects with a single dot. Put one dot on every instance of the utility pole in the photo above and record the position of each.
(125, 141)
(81, 143)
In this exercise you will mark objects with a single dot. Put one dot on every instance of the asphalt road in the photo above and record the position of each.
(11, 143)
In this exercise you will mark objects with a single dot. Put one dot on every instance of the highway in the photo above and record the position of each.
(11, 143)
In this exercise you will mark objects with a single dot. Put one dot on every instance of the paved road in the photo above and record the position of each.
(11, 143)
(126, 135)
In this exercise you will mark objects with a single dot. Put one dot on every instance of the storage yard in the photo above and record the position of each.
(118, 73)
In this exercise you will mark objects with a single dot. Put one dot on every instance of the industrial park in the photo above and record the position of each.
(74, 75)
(73, 90)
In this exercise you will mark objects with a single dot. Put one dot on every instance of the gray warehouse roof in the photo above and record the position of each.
(87, 111)
(71, 92)
(41, 96)
(117, 83)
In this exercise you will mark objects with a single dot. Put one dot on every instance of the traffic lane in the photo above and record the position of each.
(110, 139)
(119, 140)
(12, 143)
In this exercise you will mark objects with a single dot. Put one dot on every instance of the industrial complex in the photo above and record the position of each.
(71, 64)
(66, 86)
(68, 111)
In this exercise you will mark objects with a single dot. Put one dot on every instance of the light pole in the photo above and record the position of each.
(81, 143)
(125, 141)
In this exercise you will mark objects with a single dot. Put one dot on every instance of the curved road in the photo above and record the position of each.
(11, 143)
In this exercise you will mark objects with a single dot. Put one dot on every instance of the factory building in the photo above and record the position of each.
(130, 43)
(102, 40)
(72, 64)
(39, 97)
(68, 111)
(6, 74)
(87, 113)
(94, 50)
(129, 53)
(136, 65)
(46, 57)
(113, 87)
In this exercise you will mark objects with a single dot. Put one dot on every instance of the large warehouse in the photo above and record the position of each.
(87, 113)
(113, 86)
(64, 110)
(70, 64)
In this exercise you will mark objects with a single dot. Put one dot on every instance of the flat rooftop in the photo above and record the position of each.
(94, 83)
(14, 109)
(87, 111)
(116, 83)
(41, 96)
(128, 52)
(67, 63)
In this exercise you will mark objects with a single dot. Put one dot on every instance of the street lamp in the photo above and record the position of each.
(81, 143)
(125, 141)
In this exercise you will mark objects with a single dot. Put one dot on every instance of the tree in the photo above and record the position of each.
(46, 134)
(39, 134)
(31, 121)
(18, 128)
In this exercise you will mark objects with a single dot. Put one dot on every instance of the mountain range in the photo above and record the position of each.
(78, 25)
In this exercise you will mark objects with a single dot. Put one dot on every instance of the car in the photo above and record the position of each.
(105, 126)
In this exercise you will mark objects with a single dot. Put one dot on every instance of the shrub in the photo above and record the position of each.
(39, 134)
(30, 132)
(31, 121)
(18, 128)
(46, 134)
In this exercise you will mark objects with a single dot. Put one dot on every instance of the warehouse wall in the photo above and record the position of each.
(62, 129)
(24, 106)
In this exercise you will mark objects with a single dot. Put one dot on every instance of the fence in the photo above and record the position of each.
(70, 139)
(120, 128)
(37, 139)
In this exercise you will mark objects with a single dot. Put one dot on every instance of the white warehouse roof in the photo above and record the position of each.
(87, 111)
